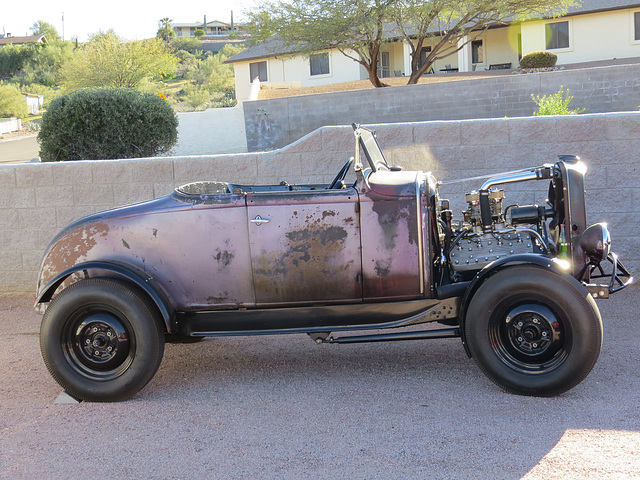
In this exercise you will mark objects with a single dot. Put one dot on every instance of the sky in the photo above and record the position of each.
(131, 19)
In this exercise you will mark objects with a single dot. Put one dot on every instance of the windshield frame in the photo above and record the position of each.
(367, 141)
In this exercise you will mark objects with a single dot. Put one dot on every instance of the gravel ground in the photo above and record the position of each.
(282, 407)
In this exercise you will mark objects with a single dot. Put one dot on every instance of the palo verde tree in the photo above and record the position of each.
(359, 28)
(106, 61)
(449, 25)
(354, 27)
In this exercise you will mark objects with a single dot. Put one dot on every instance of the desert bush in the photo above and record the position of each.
(189, 44)
(107, 123)
(12, 102)
(556, 104)
(539, 60)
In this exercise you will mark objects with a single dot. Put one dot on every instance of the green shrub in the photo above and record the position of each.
(14, 57)
(189, 44)
(539, 60)
(556, 104)
(12, 102)
(107, 123)
(197, 97)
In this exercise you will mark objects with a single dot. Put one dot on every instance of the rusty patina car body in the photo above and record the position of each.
(216, 259)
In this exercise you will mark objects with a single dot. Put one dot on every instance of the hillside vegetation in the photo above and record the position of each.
(176, 69)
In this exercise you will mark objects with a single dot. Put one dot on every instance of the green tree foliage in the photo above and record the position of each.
(42, 68)
(106, 61)
(556, 104)
(359, 28)
(188, 44)
(13, 58)
(459, 22)
(46, 29)
(166, 32)
(197, 97)
(213, 79)
(106, 123)
(213, 73)
(34, 63)
(12, 102)
(199, 33)
(355, 27)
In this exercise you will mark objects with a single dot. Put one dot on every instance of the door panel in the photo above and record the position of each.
(305, 246)
(390, 249)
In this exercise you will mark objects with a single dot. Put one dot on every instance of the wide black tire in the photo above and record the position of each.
(533, 331)
(101, 340)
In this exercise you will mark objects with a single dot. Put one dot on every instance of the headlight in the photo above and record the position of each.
(595, 241)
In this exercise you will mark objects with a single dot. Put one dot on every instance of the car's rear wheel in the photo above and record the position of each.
(533, 331)
(101, 340)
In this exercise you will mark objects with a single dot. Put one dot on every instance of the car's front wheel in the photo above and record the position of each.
(101, 340)
(533, 331)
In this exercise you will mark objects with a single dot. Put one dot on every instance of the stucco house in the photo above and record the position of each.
(213, 28)
(595, 30)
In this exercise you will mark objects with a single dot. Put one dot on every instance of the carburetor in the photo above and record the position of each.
(473, 215)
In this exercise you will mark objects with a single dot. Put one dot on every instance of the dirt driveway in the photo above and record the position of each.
(284, 408)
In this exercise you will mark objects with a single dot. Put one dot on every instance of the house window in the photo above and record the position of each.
(636, 22)
(424, 53)
(319, 64)
(557, 35)
(477, 51)
(258, 70)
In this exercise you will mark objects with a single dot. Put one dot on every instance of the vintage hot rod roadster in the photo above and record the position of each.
(382, 253)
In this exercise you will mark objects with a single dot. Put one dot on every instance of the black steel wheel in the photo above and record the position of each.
(101, 340)
(533, 331)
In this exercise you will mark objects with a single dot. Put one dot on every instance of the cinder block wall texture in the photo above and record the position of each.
(278, 122)
(40, 199)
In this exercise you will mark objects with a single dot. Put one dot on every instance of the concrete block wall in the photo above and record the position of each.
(215, 130)
(275, 123)
(40, 199)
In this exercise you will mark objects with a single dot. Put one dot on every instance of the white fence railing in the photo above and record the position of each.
(10, 125)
